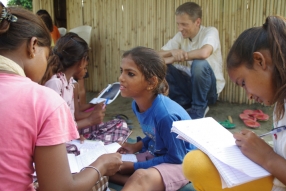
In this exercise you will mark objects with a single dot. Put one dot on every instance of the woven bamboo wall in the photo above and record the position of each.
(119, 25)
(44, 4)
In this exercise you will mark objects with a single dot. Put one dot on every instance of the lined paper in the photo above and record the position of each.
(86, 145)
(218, 143)
(90, 151)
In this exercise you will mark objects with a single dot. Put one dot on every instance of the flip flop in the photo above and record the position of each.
(248, 111)
(258, 114)
(261, 117)
(244, 116)
(251, 123)
(227, 124)
(124, 117)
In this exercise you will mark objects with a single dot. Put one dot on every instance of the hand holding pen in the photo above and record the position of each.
(129, 148)
(96, 115)
(252, 146)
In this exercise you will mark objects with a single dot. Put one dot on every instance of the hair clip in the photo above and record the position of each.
(6, 15)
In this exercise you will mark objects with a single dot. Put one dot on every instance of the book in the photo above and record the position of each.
(86, 145)
(218, 143)
(110, 93)
(90, 151)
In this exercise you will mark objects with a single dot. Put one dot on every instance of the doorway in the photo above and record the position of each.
(60, 11)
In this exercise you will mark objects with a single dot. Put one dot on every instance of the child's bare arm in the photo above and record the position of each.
(53, 170)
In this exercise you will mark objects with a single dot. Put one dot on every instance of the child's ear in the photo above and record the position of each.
(153, 82)
(32, 47)
(259, 60)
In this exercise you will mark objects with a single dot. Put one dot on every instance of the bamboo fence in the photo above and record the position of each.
(119, 25)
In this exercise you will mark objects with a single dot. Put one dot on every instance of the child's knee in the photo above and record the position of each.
(140, 175)
(195, 164)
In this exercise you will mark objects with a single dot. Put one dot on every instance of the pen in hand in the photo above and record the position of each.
(126, 138)
(105, 103)
(274, 131)
(266, 134)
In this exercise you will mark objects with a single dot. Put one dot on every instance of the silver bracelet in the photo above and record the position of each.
(99, 174)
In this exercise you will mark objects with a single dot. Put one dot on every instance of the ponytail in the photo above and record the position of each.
(163, 88)
(54, 66)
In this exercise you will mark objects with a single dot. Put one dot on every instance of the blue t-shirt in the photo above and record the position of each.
(156, 124)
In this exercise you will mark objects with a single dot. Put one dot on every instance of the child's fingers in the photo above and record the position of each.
(121, 150)
(82, 138)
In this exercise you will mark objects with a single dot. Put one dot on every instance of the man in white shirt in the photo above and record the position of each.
(200, 47)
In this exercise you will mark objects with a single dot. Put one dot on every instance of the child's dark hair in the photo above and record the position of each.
(46, 17)
(68, 50)
(48, 21)
(27, 25)
(271, 36)
(150, 64)
(190, 8)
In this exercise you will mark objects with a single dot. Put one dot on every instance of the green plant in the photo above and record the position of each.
(27, 4)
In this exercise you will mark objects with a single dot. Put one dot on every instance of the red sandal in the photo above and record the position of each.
(249, 120)
(251, 123)
(258, 114)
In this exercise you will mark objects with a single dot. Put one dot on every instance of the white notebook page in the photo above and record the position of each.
(219, 144)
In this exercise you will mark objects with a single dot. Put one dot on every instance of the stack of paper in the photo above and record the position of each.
(218, 143)
(90, 151)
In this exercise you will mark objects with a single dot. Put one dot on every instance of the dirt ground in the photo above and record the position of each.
(219, 111)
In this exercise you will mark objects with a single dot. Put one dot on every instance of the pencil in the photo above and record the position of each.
(126, 138)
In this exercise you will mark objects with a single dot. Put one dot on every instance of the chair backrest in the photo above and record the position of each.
(62, 31)
(84, 32)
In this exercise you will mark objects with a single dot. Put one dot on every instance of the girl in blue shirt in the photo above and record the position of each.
(160, 154)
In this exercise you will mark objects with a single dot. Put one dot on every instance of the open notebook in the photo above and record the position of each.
(218, 143)
(90, 151)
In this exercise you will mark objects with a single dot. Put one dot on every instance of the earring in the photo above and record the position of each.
(32, 55)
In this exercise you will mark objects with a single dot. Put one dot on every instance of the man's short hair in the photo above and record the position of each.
(190, 8)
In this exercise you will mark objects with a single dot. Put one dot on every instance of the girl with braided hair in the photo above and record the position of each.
(68, 61)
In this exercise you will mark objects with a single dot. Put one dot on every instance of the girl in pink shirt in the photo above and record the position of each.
(35, 121)
(68, 62)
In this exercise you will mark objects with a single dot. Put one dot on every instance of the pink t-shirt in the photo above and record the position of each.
(64, 88)
(30, 115)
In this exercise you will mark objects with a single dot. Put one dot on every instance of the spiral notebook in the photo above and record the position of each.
(218, 143)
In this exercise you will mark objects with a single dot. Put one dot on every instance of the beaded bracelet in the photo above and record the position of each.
(99, 174)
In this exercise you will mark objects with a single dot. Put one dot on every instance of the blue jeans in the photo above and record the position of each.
(196, 91)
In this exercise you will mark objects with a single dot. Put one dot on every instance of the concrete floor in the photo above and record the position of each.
(219, 111)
